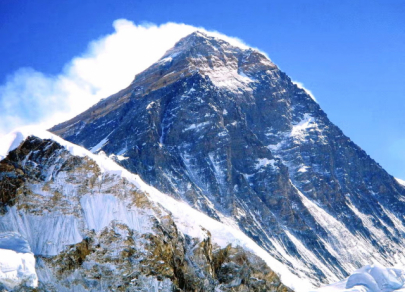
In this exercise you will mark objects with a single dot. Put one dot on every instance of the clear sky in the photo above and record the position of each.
(349, 53)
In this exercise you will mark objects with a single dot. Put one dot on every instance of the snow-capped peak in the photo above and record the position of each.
(230, 67)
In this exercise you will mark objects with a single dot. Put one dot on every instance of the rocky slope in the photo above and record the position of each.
(223, 129)
(93, 226)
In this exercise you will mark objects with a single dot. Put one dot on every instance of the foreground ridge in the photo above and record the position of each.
(93, 226)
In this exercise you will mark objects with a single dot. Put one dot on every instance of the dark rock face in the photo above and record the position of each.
(225, 130)
(15, 168)
(151, 255)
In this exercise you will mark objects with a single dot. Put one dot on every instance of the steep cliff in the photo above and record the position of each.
(93, 226)
(223, 129)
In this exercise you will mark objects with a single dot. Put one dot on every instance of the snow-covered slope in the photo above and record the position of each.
(17, 262)
(225, 130)
(371, 278)
(70, 195)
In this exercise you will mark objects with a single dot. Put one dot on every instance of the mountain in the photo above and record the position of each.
(231, 178)
(93, 226)
(226, 131)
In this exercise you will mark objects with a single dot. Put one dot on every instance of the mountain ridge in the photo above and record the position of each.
(225, 130)
(102, 228)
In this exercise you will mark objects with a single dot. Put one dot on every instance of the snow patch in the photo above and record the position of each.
(370, 278)
(263, 162)
(100, 144)
(150, 105)
(299, 130)
(17, 263)
(196, 126)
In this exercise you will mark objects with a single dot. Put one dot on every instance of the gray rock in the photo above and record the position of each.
(225, 130)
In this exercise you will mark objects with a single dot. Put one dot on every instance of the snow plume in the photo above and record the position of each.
(108, 65)
(301, 85)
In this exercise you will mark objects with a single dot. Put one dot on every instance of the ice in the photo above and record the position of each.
(14, 241)
(188, 220)
(60, 230)
(99, 210)
(362, 279)
(17, 263)
(370, 278)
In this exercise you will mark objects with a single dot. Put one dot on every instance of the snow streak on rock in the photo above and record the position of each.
(85, 217)
(222, 129)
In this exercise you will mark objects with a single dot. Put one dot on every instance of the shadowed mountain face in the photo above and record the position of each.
(223, 129)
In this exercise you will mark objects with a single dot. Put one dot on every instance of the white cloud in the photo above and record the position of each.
(301, 85)
(109, 65)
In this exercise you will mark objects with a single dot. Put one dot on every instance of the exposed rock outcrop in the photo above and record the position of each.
(92, 229)
(223, 129)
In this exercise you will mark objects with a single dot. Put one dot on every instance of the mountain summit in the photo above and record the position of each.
(224, 130)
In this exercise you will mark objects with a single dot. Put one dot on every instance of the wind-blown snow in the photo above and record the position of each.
(307, 91)
(400, 181)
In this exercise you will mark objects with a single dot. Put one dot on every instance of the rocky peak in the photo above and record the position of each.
(199, 44)
(229, 67)
(223, 129)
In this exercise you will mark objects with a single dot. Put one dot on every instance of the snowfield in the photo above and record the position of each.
(17, 262)
(371, 278)
(188, 220)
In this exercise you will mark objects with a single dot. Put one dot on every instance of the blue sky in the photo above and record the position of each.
(350, 54)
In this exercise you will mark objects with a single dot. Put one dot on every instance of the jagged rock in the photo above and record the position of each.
(223, 129)
(94, 230)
